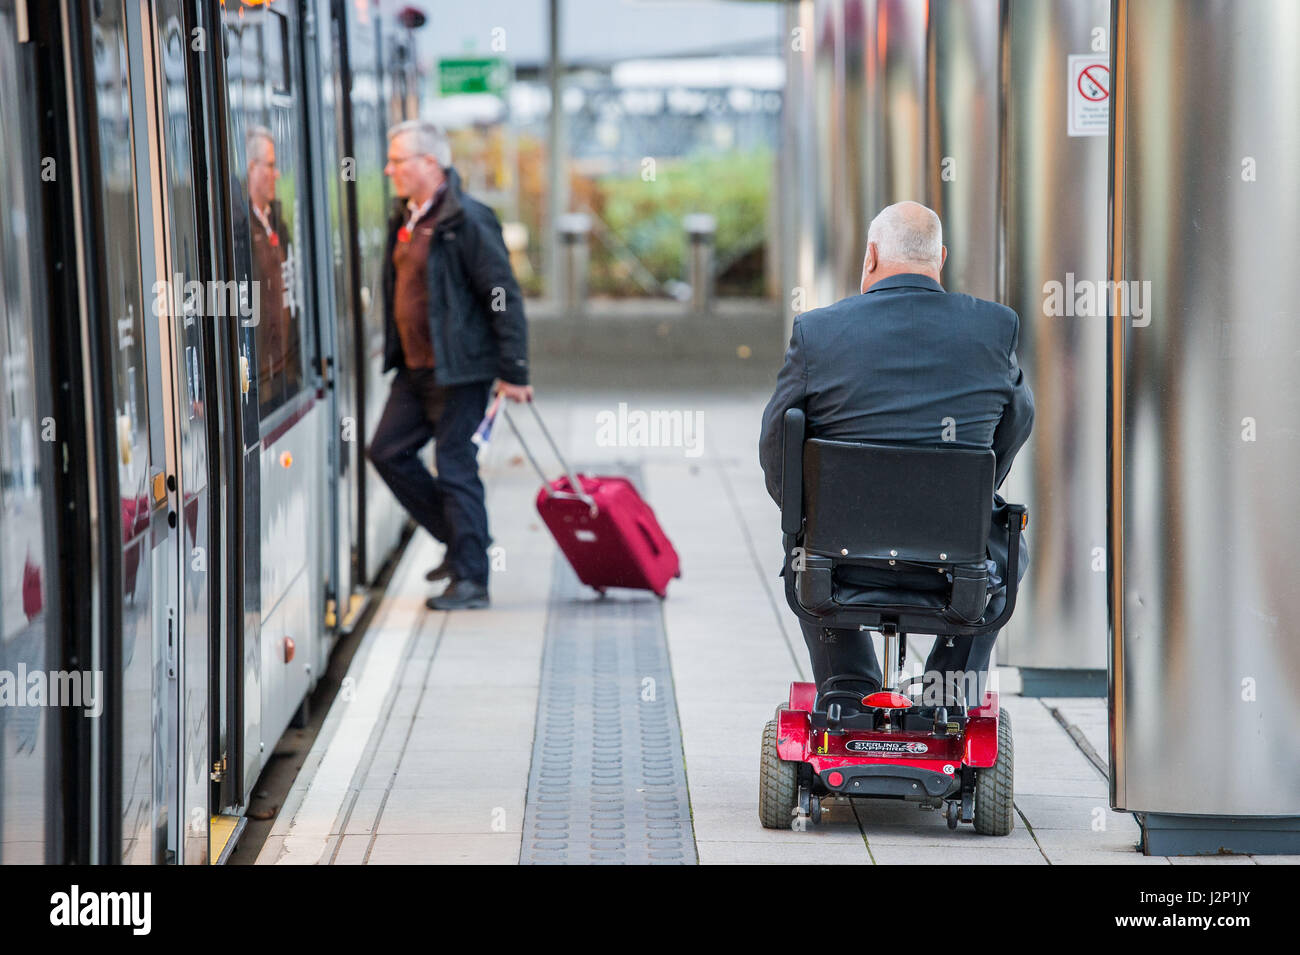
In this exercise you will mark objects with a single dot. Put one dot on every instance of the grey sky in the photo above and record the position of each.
(600, 30)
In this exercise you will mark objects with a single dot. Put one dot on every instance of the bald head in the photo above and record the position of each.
(906, 237)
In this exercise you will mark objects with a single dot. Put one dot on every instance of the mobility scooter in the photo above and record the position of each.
(857, 520)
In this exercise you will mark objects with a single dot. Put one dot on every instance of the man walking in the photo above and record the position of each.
(454, 322)
(904, 362)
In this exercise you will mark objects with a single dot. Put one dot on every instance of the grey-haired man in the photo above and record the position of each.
(454, 323)
(904, 362)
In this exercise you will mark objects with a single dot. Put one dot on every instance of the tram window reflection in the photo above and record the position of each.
(278, 335)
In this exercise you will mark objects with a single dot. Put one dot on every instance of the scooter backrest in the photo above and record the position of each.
(874, 502)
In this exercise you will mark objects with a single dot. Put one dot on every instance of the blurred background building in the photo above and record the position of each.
(669, 111)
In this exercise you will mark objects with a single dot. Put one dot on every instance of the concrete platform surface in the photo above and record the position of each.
(425, 755)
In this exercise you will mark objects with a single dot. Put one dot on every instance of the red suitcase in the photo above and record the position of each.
(607, 531)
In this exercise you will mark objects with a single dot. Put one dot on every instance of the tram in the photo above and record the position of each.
(192, 217)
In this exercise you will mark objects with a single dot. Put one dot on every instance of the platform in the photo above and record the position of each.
(470, 737)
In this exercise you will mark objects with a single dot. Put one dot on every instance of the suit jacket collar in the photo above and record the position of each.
(907, 280)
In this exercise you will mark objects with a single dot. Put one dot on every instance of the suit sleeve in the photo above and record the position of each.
(493, 281)
(1017, 415)
(791, 392)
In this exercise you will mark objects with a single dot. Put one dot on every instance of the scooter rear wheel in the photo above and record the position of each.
(995, 809)
(778, 784)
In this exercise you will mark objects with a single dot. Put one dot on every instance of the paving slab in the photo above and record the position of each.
(397, 774)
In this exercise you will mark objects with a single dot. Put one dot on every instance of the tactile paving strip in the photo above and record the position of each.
(608, 781)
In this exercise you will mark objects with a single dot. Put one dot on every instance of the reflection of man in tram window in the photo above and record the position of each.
(279, 362)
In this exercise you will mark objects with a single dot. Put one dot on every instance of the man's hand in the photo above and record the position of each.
(516, 393)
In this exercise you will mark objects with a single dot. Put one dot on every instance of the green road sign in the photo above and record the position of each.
(488, 75)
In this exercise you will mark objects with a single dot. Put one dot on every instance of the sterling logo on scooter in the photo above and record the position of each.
(882, 747)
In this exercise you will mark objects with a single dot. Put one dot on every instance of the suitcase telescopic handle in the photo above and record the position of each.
(574, 484)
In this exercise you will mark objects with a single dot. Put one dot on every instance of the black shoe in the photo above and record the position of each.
(440, 572)
(460, 595)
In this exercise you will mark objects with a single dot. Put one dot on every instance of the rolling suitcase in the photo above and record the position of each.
(606, 530)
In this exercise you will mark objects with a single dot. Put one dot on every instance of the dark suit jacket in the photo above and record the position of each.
(907, 363)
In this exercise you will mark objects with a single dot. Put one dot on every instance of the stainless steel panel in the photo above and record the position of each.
(961, 156)
(1055, 227)
(1205, 641)
(853, 135)
(895, 77)
(797, 162)
(829, 130)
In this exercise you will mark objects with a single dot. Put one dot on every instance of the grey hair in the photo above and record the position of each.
(256, 134)
(907, 232)
(427, 139)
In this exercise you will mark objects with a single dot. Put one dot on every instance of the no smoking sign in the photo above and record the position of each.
(1089, 106)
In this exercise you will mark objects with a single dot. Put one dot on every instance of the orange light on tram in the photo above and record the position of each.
(286, 459)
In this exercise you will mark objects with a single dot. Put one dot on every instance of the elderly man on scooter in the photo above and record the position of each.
(904, 362)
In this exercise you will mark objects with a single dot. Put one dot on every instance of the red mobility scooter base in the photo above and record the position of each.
(954, 765)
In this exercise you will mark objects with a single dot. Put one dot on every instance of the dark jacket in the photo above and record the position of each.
(900, 364)
(469, 272)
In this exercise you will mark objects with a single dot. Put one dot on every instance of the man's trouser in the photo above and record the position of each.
(844, 651)
(962, 666)
(451, 506)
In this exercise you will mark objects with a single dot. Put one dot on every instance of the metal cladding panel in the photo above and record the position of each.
(1205, 448)
(853, 135)
(895, 78)
(961, 156)
(1054, 229)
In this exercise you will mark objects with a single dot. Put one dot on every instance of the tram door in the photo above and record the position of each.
(383, 519)
(285, 422)
(29, 638)
(125, 258)
(337, 293)
(368, 519)
(191, 307)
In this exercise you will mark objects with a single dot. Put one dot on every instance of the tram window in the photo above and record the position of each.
(277, 51)
(275, 261)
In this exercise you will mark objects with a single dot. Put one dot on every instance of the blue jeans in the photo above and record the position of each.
(451, 506)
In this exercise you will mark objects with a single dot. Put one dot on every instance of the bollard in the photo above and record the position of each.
(573, 230)
(701, 229)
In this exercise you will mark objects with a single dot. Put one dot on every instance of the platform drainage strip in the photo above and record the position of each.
(608, 782)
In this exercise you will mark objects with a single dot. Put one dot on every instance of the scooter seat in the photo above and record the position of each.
(888, 598)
